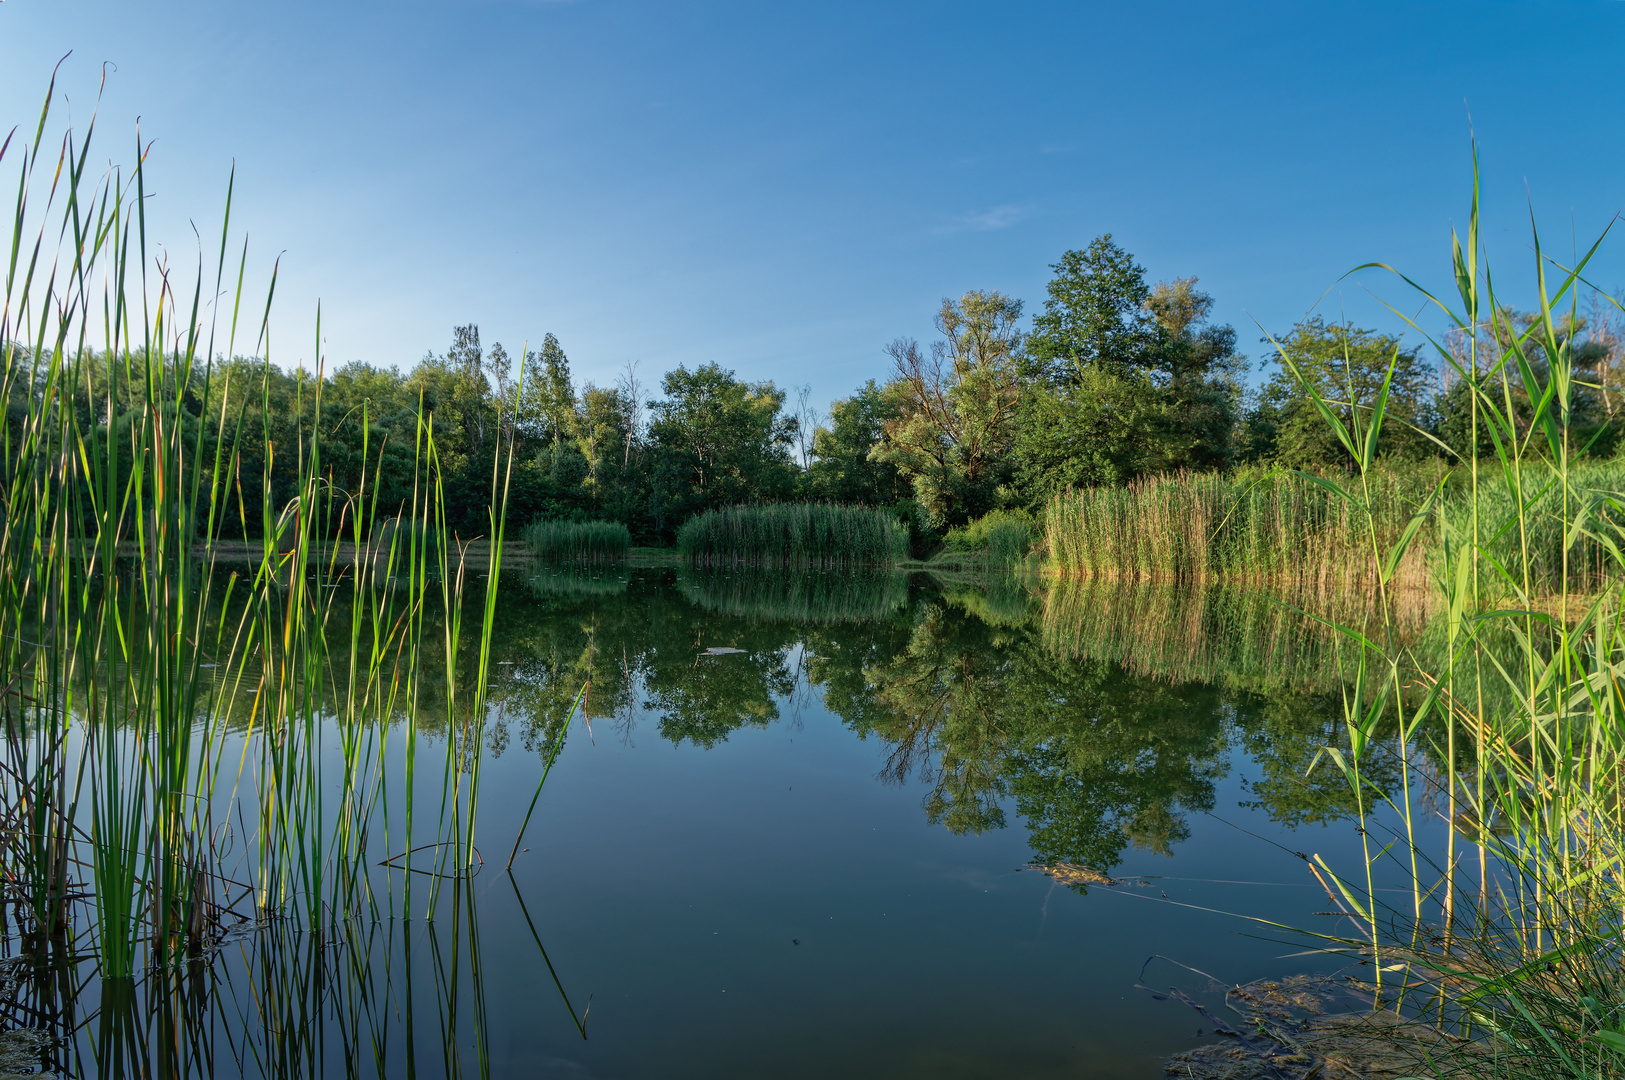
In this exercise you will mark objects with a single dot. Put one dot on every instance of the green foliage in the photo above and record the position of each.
(548, 405)
(1198, 380)
(1003, 536)
(793, 535)
(580, 541)
(956, 410)
(721, 441)
(1122, 378)
(842, 469)
(1098, 431)
(1345, 366)
(1095, 317)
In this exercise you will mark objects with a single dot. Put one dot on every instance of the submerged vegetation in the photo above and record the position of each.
(793, 535)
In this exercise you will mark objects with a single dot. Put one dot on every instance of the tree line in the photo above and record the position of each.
(1115, 379)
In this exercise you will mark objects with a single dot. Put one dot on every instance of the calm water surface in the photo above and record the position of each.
(806, 858)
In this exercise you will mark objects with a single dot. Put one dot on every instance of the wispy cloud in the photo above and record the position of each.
(998, 217)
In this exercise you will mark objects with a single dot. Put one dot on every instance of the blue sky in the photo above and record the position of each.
(783, 189)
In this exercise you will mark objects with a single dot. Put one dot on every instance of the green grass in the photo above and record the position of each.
(793, 535)
(581, 541)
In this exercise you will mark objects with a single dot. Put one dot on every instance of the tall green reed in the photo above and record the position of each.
(1513, 918)
(793, 534)
(1279, 527)
(119, 603)
(581, 541)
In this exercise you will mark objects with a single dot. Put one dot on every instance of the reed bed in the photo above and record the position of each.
(805, 535)
(1543, 536)
(579, 541)
(177, 755)
(807, 597)
(1276, 527)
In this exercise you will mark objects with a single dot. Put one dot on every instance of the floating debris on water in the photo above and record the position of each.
(1077, 874)
(720, 650)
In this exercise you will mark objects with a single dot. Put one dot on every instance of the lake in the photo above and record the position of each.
(795, 835)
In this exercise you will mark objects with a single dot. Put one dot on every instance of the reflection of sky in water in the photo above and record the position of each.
(799, 859)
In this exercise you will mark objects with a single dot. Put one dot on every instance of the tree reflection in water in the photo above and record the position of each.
(1103, 716)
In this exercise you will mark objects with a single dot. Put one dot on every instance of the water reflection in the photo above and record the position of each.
(1102, 715)
(804, 598)
(1086, 723)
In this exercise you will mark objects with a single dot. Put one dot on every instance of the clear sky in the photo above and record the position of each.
(784, 188)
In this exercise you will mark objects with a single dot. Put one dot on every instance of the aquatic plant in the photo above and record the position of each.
(582, 541)
(179, 752)
(793, 534)
(1281, 527)
(1001, 538)
(1510, 930)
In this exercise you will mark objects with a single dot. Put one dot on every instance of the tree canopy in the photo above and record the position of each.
(1115, 379)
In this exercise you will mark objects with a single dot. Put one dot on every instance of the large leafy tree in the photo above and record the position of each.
(1094, 317)
(549, 407)
(1089, 409)
(1098, 431)
(1197, 371)
(956, 407)
(600, 432)
(721, 440)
